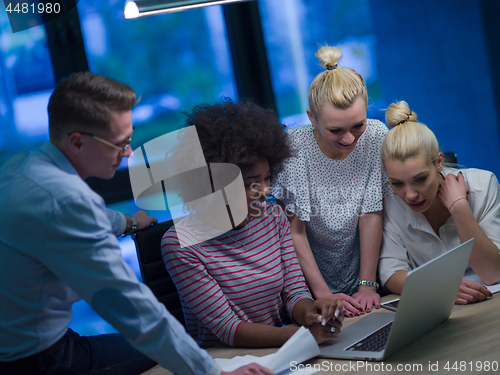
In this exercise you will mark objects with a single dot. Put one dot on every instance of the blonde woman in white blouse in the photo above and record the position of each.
(435, 208)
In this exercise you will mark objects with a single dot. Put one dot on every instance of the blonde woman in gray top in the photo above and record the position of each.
(334, 186)
(435, 208)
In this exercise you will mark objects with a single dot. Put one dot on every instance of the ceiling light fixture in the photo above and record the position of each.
(142, 8)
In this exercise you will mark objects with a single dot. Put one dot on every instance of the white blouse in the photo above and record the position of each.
(409, 240)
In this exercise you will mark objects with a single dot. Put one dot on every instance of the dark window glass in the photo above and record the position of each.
(26, 81)
(173, 61)
(294, 33)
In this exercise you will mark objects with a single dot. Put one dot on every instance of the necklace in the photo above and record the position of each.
(227, 233)
(245, 240)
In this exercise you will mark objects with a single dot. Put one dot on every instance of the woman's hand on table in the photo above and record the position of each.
(351, 306)
(367, 297)
(470, 292)
(324, 320)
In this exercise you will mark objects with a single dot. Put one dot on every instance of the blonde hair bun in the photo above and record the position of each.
(328, 56)
(336, 85)
(398, 113)
(409, 140)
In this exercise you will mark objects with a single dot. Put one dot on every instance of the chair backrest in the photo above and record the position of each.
(153, 271)
(450, 158)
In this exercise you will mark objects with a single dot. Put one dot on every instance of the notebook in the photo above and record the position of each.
(422, 307)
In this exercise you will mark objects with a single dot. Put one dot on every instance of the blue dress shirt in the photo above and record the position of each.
(57, 245)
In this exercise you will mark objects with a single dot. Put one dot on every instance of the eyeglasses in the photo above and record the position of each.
(122, 149)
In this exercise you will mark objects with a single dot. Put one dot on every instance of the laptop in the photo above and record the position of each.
(426, 301)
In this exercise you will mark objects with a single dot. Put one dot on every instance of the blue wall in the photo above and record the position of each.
(434, 55)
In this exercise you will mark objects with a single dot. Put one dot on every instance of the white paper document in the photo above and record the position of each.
(299, 348)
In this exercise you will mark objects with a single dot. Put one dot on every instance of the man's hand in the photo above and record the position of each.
(144, 220)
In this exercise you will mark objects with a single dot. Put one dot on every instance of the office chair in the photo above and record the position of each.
(153, 271)
(450, 158)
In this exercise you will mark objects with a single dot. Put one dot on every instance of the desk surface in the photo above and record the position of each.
(470, 338)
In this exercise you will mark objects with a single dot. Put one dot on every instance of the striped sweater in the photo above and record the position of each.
(222, 283)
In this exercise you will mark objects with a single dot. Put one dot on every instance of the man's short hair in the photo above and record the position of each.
(86, 102)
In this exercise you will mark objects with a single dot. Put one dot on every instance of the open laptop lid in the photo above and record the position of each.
(427, 300)
(428, 296)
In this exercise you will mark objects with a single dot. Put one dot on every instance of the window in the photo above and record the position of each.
(26, 81)
(173, 61)
(294, 33)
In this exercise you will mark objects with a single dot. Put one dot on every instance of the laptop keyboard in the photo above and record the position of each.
(374, 342)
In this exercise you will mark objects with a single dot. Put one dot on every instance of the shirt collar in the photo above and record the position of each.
(416, 219)
(58, 158)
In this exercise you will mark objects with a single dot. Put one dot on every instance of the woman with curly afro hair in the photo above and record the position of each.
(236, 287)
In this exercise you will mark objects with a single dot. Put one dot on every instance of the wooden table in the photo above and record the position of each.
(468, 342)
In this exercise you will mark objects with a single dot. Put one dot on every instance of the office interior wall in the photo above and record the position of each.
(436, 56)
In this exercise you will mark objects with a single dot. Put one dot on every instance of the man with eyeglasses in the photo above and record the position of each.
(58, 244)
